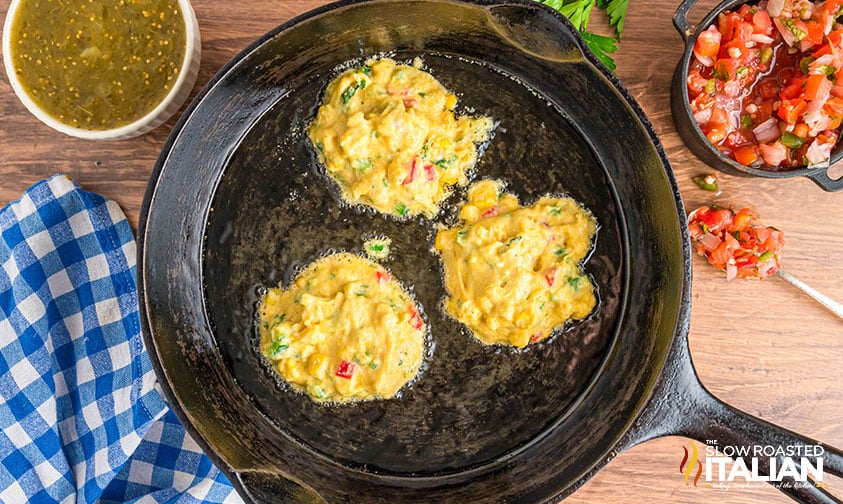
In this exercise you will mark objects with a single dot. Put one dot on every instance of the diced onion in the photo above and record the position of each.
(767, 267)
(731, 271)
(823, 92)
(789, 38)
(817, 121)
(818, 154)
(705, 60)
(774, 7)
(703, 115)
(816, 66)
(761, 38)
(768, 131)
(773, 154)
(710, 242)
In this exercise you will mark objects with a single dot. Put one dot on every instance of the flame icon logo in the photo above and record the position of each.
(689, 462)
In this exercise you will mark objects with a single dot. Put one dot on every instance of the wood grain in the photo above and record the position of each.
(759, 345)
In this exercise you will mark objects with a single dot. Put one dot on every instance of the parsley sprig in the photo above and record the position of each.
(579, 13)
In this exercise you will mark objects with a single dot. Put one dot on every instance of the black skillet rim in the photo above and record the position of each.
(683, 314)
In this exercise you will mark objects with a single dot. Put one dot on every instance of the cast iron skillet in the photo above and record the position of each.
(237, 203)
(690, 131)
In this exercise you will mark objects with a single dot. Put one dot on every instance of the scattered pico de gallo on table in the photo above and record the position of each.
(735, 243)
(766, 83)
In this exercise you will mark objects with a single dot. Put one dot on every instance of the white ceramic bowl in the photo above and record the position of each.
(156, 117)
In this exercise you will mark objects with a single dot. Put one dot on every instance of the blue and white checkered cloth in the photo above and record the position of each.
(81, 417)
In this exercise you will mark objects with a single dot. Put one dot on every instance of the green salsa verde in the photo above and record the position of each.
(98, 64)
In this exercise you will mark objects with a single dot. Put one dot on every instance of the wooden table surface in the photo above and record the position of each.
(759, 345)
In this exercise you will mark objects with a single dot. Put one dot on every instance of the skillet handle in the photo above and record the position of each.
(731, 427)
(680, 19)
(821, 178)
(681, 405)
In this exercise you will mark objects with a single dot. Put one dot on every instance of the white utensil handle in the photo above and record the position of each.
(830, 304)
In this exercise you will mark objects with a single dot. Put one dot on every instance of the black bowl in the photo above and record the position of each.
(690, 131)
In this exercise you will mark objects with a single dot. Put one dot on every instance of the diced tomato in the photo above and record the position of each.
(345, 370)
(720, 256)
(714, 219)
(746, 155)
(726, 22)
(816, 33)
(761, 23)
(742, 219)
(716, 135)
(550, 277)
(794, 89)
(735, 139)
(719, 117)
(415, 318)
(431, 172)
(489, 212)
(834, 108)
(382, 277)
(742, 247)
(696, 83)
(707, 45)
(791, 110)
(835, 38)
(832, 6)
(763, 234)
(411, 176)
(702, 102)
(733, 27)
(813, 86)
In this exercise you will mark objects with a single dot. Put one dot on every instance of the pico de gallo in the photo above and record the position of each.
(735, 243)
(766, 83)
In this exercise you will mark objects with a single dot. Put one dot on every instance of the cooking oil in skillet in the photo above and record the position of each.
(472, 405)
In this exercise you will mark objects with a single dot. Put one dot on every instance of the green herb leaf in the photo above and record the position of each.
(446, 163)
(350, 90)
(462, 233)
(579, 13)
(600, 45)
(362, 165)
(276, 349)
(616, 10)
